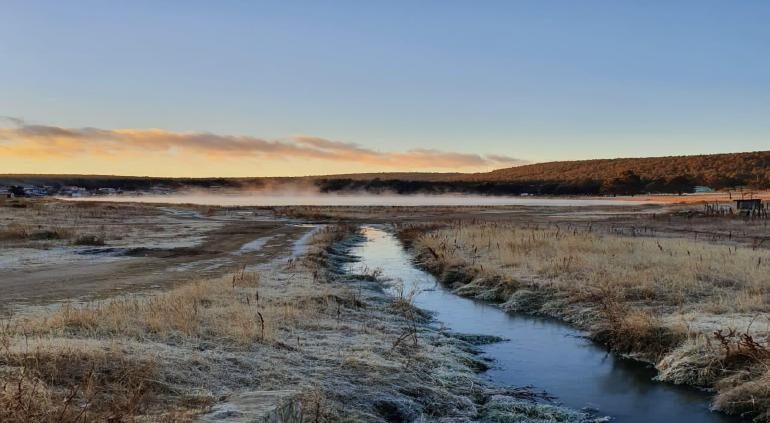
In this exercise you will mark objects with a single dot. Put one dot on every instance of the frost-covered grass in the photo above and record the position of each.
(167, 357)
(510, 410)
(662, 299)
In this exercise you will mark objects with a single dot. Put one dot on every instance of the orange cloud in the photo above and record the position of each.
(51, 142)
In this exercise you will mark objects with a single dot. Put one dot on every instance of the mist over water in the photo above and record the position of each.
(314, 199)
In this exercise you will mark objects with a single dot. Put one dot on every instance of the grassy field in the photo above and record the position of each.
(697, 309)
(338, 346)
(174, 319)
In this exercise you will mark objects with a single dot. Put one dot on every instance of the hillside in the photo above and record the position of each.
(673, 174)
(716, 170)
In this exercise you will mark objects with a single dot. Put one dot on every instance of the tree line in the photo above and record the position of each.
(628, 183)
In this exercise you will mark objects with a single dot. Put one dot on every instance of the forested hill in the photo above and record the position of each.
(584, 177)
(674, 174)
(716, 170)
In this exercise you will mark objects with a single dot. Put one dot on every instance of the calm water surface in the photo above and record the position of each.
(544, 353)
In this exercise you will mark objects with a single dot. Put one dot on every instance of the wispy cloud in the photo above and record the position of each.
(19, 138)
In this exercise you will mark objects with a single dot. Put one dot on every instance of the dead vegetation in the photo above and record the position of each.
(74, 385)
(22, 232)
(42, 222)
(104, 360)
(667, 300)
(170, 356)
(81, 363)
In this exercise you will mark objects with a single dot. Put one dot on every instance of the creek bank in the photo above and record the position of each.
(447, 364)
(605, 323)
(294, 333)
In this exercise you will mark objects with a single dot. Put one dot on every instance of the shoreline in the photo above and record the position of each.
(667, 350)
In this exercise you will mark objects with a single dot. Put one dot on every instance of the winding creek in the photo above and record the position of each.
(542, 353)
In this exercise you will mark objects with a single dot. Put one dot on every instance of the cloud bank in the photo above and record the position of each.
(20, 139)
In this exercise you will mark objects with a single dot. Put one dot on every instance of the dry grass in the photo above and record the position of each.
(74, 385)
(21, 232)
(298, 325)
(680, 273)
(749, 398)
(166, 357)
(227, 309)
(25, 222)
(98, 381)
(632, 292)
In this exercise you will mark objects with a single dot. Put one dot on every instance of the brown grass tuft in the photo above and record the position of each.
(73, 385)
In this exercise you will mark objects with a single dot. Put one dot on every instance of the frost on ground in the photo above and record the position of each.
(696, 308)
(254, 246)
(348, 350)
(501, 409)
(44, 233)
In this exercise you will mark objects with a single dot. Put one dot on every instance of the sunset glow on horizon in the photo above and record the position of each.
(304, 88)
(156, 152)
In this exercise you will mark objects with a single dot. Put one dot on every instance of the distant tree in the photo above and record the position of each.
(629, 183)
(588, 186)
(549, 188)
(656, 186)
(680, 184)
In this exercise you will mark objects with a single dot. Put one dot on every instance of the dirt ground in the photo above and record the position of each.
(153, 246)
(145, 247)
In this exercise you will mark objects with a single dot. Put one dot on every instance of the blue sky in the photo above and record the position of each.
(536, 80)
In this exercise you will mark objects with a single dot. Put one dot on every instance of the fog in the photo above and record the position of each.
(273, 198)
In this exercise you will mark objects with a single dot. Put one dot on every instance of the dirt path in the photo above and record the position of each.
(100, 272)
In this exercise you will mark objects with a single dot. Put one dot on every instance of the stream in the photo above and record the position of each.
(542, 353)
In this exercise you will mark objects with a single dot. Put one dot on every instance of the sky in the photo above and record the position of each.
(269, 88)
